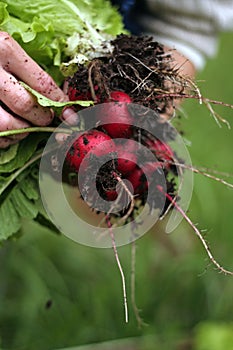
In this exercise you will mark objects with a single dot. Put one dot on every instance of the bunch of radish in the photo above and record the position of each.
(134, 73)
(115, 150)
(100, 148)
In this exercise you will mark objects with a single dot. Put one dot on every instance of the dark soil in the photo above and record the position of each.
(138, 66)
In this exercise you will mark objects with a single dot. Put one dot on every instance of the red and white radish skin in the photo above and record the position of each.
(92, 142)
(140, 178)
(126, 157)
(161, 149)
(76, 95)
(116, 110)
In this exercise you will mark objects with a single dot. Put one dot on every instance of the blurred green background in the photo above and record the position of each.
(56, 294)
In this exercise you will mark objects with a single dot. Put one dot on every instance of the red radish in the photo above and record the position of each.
(128, 145)
(162, 150)
(138, 178)
(119, 96)
(117, 111)
(76, 95)
(91, 142)
(126, 160)
(124, 164)
(111, 195)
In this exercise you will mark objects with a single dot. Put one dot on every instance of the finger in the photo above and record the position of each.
(21, 102)
(65, 87)
(16, 61)
(9, 122)
(70, 116)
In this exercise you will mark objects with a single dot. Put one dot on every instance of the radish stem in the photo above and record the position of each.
(38, 129)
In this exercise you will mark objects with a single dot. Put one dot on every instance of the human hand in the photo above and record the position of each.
(19, 109)
(185, 71)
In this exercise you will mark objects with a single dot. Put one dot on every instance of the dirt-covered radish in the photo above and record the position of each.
(90, 143)
(161, 149)
(116, 110)
(140, 178)
(110, 195)
(126, 160)
(75, 94)
(119, 96)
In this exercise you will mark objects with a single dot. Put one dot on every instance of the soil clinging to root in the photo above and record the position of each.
(139, 66)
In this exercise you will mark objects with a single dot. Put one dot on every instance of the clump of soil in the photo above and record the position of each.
(138, 66)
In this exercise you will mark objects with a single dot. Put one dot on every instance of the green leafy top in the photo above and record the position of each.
(18, 185)
(54, 33)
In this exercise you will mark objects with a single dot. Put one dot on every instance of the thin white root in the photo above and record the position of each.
(198, 233)
(133, 294)
(207, 102)
(216, 116)
(131, 208)
(120, 269)
(204, 173)
(196, 88)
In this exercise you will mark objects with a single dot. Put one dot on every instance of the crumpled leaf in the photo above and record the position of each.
(26, 148)
(19, 190)
(19, 202)
(8, 154)
(56, 105)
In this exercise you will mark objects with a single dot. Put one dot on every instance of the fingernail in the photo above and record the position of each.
(70, 116)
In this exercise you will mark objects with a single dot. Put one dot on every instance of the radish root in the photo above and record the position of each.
(139, 320)
(198, 233)
(119, 267)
